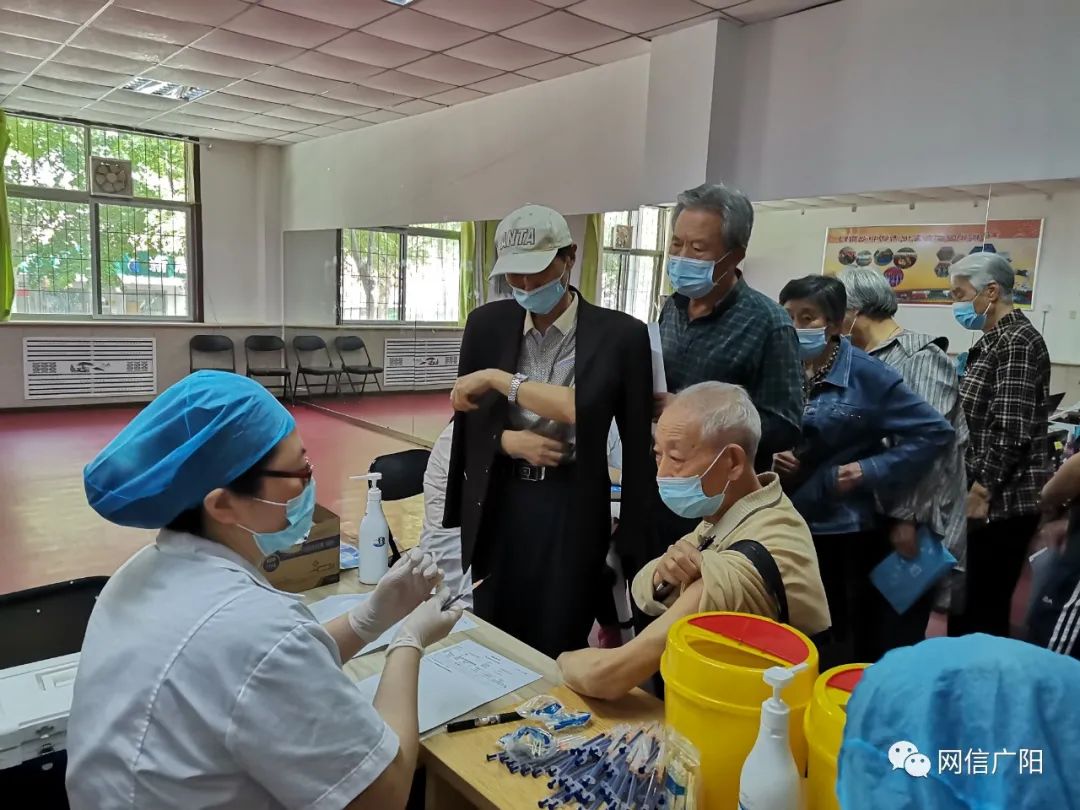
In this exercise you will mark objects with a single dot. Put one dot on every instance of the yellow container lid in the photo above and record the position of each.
(827, 714)
(719, 659)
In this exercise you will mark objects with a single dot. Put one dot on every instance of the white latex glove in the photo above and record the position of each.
(401, 589)
(427, 624)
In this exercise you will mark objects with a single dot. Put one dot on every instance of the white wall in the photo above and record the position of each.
(573, 143)
(788, 244)
(310, 269)
(884, 94)
(241, 221)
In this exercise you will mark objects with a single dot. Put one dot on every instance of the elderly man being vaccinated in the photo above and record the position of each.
(751, 551)
(199, 684)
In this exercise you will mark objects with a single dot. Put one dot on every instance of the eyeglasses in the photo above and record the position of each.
(304, 475)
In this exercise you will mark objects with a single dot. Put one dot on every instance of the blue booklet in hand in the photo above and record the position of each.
(902, 581)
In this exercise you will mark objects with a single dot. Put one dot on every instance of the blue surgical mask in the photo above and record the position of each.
(686, 498)
(543, 299)
(812, 342)
(967, 317)
(693, 277)
(299, 511)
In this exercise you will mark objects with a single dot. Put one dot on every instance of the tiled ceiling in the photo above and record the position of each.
(287, 71)
(977, 195)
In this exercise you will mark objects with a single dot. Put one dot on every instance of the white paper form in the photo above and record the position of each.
(333, 606)
(659, 378)
(457, 679)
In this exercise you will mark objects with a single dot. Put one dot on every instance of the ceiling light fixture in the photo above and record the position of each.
(399, 2)
(155, 87)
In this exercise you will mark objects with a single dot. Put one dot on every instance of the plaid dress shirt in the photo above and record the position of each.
(747, 340)
(1004, 392)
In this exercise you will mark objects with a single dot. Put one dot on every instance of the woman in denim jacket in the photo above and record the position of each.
(865, 434)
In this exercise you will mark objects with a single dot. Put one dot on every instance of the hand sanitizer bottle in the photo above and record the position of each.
(769, 779)
(373, 540)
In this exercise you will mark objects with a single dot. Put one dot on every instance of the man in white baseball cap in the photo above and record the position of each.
(541, 378)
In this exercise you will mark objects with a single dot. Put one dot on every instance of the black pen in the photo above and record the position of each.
(664, 589)
(480, 722)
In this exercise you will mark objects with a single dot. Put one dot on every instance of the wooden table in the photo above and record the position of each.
(458, 775)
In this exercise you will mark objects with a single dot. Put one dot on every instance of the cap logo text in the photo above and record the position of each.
(517, 237)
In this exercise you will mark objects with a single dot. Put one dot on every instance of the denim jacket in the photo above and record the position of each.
(862, 411)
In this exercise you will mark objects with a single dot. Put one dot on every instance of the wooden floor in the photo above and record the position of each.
(49, 532)
(422, 414)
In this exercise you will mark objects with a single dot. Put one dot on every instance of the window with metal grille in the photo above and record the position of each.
(80, 254)
(400, 274)
(632, 261)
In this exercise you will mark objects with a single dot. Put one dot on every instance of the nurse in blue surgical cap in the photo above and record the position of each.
(971, 723)
(199, 684)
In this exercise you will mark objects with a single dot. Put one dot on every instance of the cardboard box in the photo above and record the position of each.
(315, 562)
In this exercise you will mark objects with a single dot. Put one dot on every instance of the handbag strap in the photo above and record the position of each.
(763, 561)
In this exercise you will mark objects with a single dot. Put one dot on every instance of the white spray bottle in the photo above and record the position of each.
(373, 539)
(770, 779)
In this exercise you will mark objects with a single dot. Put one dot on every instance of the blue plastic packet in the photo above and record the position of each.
(902, 581)
(349, 556)
(961, 364)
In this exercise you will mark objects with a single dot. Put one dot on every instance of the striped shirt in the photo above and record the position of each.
(939, 500)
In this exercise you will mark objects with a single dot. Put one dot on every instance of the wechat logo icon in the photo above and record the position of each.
(904, 755)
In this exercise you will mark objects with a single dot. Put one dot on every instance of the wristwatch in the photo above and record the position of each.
(515, 384)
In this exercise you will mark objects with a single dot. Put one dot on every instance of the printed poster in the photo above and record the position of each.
(916, 259)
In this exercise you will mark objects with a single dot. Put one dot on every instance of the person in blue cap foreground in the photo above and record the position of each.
(971, 723)
(200, 685)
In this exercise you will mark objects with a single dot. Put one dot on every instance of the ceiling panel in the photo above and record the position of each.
(637, 16)
(334, 67)
(760, 10)
(393, 81)
(321, 132)
(373, 50)
(500, 84)
(149, 26)
(195, 59)
(207, 12)
(553, 70)
(195, 78)
(368, 96)
(274, 122)
(563, 33)
(486, 15)
(142, 50)
(421, 31)
(381, 117)
(29, 25)
(235, 101)
(332, 106)
(499, 52)
(308, 116)
(343, 13)
(58, 70)
(84, 90)
(348, 124)
(22, 64)
(264, 92)
(228, 43)
(415, 107)
(280, 27)
(616, 51)
(208, 112)
(459, 95)
(71, 11)
(81, 57)
(447, 69)
(294, 80)
(25, 46)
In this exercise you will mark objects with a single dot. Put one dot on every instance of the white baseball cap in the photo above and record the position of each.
(528, 239)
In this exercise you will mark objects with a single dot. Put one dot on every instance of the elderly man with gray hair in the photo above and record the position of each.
(1004, 392)
(938, 501)
(716, 327)
(751, 551)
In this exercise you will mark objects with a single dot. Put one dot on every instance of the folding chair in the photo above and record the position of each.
(212, 345)
(265, 345)
(402, 477)
(308, 346)
(351, 343)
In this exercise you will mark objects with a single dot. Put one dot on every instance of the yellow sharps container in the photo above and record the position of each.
(712, 666)
(825, 731)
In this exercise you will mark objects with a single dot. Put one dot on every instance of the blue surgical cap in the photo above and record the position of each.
(969, 704)
(198, 435)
